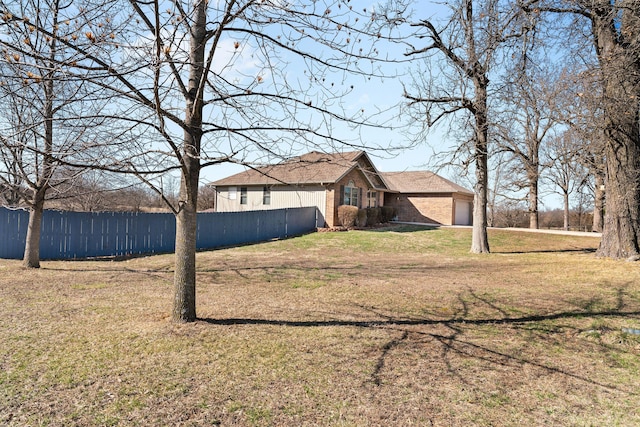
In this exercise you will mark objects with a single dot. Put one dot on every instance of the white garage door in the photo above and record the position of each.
(463, 213)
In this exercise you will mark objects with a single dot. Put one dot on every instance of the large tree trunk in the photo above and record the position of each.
(533, 202)
(621, 229)
(184, 307)
(621, 70)
(31, 257)
(565, 198)
(479, 238)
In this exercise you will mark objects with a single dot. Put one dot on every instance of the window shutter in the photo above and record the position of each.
(341, 195)
(360, 198)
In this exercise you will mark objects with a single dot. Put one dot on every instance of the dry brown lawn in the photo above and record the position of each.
(394, 327)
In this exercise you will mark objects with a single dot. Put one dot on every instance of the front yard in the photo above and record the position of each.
(397, 326)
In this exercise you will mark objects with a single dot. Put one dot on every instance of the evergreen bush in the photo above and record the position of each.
(373, 216)
(362, 218)
(387, 213)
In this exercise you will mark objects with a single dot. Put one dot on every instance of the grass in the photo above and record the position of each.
(398, 326)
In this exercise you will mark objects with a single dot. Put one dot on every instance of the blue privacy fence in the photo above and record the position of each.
(68, 235)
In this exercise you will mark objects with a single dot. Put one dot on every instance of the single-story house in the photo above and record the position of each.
(327, 181)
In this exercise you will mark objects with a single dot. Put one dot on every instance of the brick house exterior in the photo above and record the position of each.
(423, 196)
(330, 180)
(314, 179)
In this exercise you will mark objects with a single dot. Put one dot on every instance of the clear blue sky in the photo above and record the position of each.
(371, 96)
(379, 94)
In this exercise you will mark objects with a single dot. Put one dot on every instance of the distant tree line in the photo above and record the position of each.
(92, 192)
(517, 215)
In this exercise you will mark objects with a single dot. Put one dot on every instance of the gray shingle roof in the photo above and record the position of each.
(311, 168)
(328, 168)
(421, 182)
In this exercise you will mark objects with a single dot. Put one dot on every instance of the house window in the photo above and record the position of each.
(233, 193)
(351, 194)
(372, 199)
(266, 195)
(243, 195)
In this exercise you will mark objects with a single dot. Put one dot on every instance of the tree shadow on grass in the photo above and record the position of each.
(348, 269)
(404, 332)
(231, 321)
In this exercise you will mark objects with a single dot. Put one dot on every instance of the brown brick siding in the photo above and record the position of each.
(333, 195)
(432, 208)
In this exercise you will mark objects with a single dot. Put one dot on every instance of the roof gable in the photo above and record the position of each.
(311, 168)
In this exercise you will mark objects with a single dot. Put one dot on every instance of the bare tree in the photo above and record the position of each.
(591, 130)
(198, 83)
(95, 190)
(207, 198)
(580, 109)
(590, 155)
(528, 115)
(28, 145)
(511, 213)
(40, 102)
(583, 199)
(460, 56)
(615, 32)
(566, 172)
(497, 188)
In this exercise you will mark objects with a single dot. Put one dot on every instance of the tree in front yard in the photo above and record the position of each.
(199, 83)
(46, 115)
(460, 56)
(614, 28)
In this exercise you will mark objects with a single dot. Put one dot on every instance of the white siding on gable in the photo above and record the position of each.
(227, 199)
(298, 197)
(281, 197)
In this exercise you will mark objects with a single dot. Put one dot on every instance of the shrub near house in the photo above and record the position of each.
(350, 215)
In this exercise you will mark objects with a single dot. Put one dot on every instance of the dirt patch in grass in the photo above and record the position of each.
(396, 326)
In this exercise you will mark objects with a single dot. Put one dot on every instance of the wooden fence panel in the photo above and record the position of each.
(13, 232)
(68, 235)
(71, 235)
